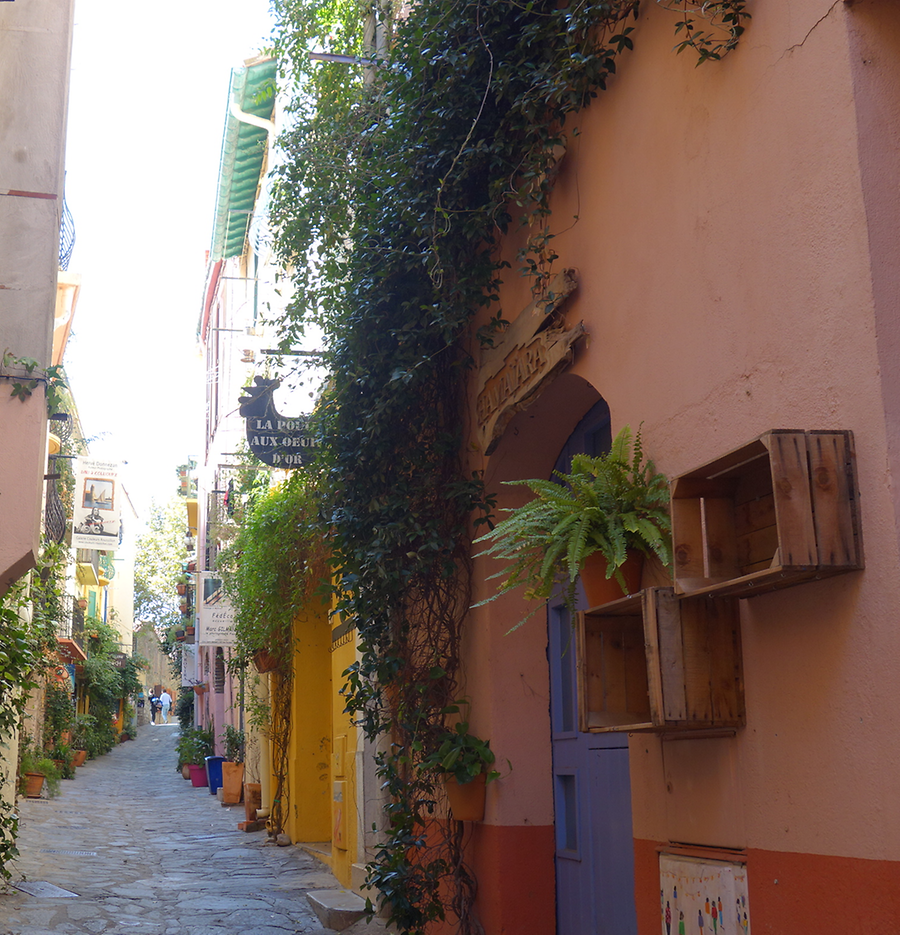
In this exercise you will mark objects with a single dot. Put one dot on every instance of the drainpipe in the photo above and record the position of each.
(252, 119)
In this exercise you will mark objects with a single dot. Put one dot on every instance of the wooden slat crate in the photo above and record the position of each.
(780, 510)
(654, 662)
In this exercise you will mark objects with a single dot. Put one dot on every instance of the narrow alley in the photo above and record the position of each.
(129, 846)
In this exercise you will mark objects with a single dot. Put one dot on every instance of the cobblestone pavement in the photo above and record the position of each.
(148, 854)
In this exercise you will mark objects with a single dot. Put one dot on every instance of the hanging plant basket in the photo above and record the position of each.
(466, 799)
(599, 589)
(265, 661)
(201, 688)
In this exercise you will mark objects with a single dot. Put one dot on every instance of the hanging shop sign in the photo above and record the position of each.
(189, 669)
(96, 520)
(215, 615)
(274, 439)
(530, 353)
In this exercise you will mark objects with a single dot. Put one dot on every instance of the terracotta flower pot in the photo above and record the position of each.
(232, 782)
(79, 758)
(599, 589)
(265, 661)
(466, 800)
(34, 783)
(186, 771)
(181, 588)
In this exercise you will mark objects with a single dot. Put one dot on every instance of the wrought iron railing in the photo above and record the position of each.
(66, 236)
(71, 624)
(55, 519)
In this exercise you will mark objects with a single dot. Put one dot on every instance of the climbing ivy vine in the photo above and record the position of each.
(29, 612)
(407, 163)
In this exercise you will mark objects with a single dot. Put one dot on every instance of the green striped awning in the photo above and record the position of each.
(243, 151)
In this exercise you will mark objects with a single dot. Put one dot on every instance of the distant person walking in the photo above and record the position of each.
(165, 699)
(155, 706)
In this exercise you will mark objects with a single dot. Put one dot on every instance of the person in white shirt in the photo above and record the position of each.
(166, 701)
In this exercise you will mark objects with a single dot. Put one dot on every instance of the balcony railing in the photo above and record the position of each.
(71, 625)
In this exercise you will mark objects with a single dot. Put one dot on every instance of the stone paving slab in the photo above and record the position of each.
(169, 860)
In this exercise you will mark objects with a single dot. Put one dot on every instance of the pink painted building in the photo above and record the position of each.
(35, 44)
(737, 272)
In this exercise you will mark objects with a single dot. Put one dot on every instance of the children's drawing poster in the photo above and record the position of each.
(702, 897)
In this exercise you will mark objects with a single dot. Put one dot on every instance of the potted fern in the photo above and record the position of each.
(605, 510)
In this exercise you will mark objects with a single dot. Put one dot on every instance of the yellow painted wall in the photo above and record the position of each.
(344, 818)
(308, 807)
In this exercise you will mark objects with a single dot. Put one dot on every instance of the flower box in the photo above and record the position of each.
(654, 662)
(778, 511)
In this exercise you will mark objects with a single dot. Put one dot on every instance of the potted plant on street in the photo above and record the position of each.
(608, 511)
(36, 769)
(464, 763)
(80, 739)
(63, 757)
(193, 747)
(233, 767)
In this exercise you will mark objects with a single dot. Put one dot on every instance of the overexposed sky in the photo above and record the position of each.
(147, 105)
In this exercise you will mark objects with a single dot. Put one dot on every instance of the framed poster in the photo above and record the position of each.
(215, 615)
(96, 516)
(699, 896)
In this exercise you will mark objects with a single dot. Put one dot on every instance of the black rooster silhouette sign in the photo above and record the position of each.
(274, 439)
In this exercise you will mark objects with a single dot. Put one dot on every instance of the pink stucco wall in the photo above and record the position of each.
(35, 41)
(735, 243)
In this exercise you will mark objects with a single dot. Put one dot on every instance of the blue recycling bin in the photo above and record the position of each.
(214, 773)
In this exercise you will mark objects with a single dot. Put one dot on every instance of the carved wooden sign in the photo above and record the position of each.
(532, 351)
(275, 440)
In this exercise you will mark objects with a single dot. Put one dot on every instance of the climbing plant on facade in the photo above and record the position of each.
(29, 614)
(403, 174)
(271, 570)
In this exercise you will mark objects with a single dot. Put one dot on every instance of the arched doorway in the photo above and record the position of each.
(591, 786)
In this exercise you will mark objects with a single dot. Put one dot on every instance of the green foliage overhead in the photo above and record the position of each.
(275, 564)
(157, 566)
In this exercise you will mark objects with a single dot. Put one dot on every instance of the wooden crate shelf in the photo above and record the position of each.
(656, 662)
(780, 510)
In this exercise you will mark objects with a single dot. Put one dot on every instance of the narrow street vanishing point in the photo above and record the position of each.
(129, 846)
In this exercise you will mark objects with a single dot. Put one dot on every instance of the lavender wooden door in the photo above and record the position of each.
(591, 788)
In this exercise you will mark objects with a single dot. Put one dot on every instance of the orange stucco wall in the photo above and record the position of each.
(792, 892)
(735, 246)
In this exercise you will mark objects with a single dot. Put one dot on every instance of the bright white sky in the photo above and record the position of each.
(148, 98)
